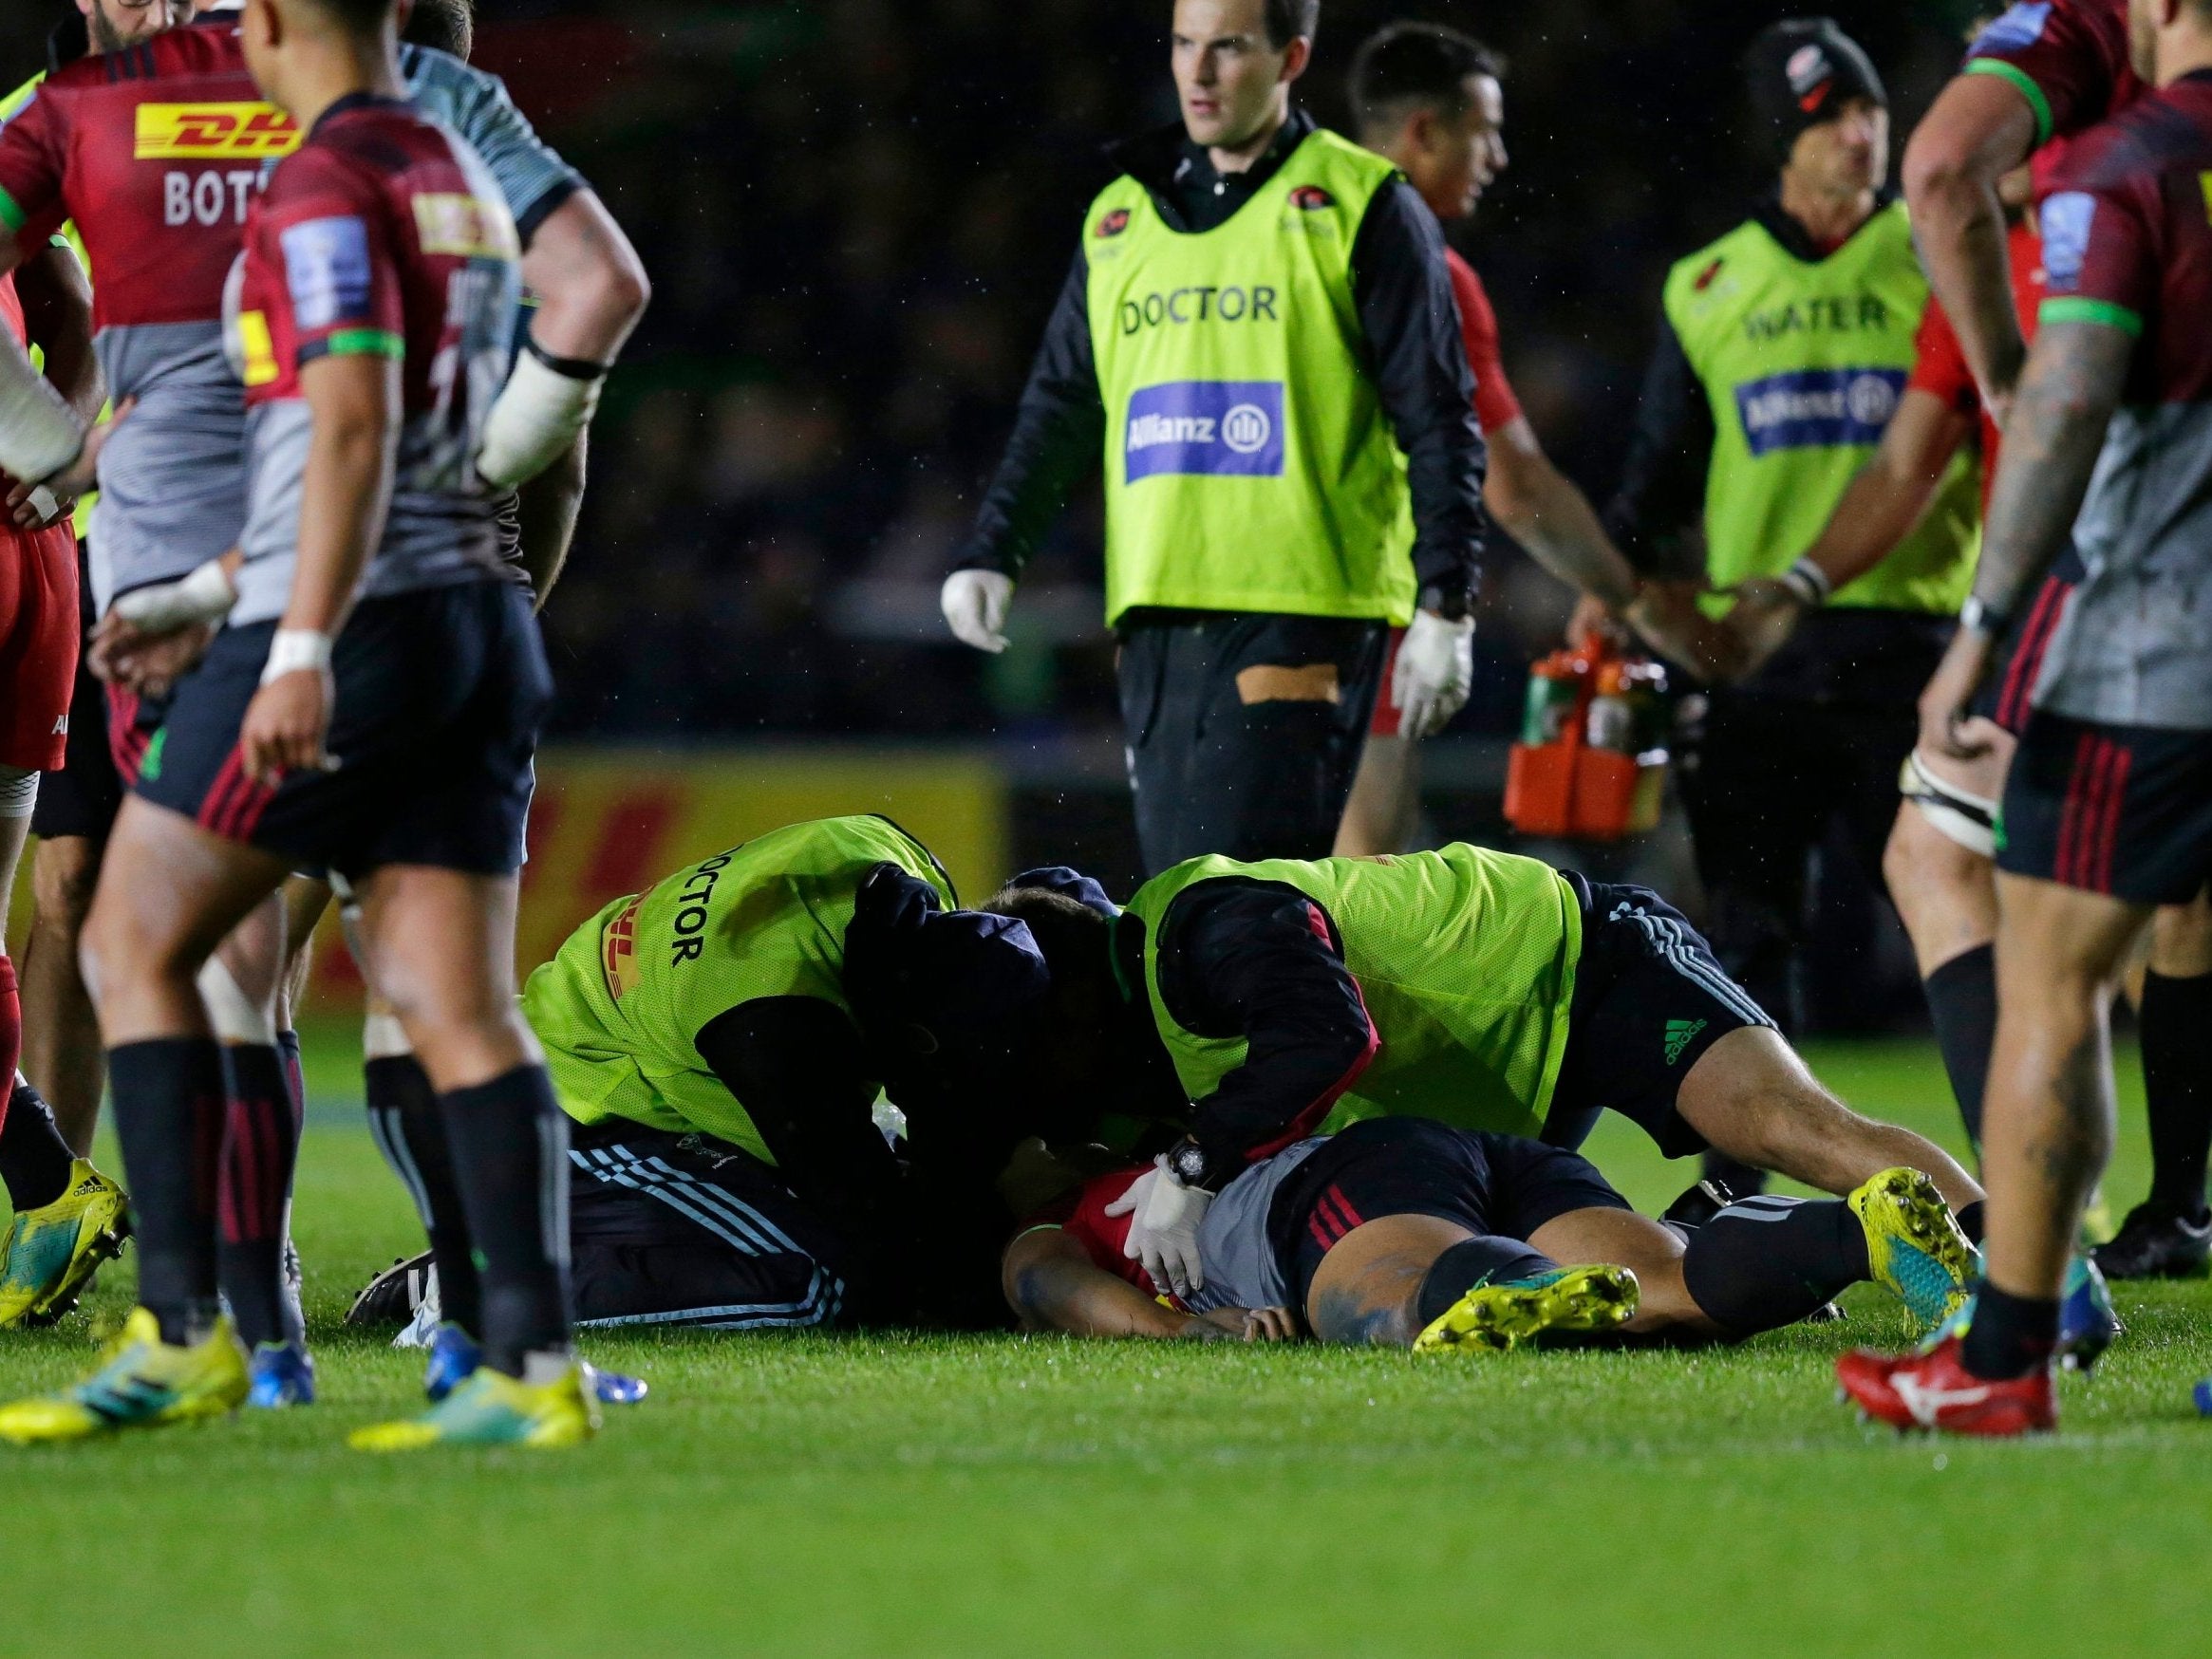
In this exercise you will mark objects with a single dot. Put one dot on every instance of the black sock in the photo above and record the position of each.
(34, 1159)
(295, 1078)
(1971, 1220)
(168, 1097)
(1467, 1264)
(1740, 1180)
(2010, 1335)
(509, 1143)
(2177, 1087)
(260, 1151)
(1962, 1005)
(1770, 1261)
(405, 1117)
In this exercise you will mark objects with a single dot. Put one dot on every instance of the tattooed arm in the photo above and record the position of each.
(2074, 379)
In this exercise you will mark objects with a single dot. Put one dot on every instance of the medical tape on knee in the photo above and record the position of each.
(1969, 820)
(236, 1018)
(18, 792)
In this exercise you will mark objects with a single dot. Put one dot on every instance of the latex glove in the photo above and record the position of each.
(1436, 673)
(1164, 1233)
(975, 604)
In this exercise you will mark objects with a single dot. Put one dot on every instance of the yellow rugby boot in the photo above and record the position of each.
(489, 1408)
(1913, 1244)
(142, 1382)
(53, 1252)
(1494, 1318)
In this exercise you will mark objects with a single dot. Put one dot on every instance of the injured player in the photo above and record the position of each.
(1402, 1232)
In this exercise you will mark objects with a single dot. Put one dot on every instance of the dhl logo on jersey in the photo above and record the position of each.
(256, 351)
(463, 227)
(171, 132)
(618, 951)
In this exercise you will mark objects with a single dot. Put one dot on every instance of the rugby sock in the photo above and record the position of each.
(296, 1090)
(169, 1111)
(2177, 1087)
(1470, 1263)
(511, 1150)
(34, 1159)
(260, 1151)
(11, 1026)
(405, 1117)
(2010, 1335)
(1963, 1006)
(1770, 1261)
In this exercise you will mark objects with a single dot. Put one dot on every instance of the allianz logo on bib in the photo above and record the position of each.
(1226, 428)
(1818, 408)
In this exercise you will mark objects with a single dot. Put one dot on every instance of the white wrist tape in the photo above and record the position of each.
(204, 595)
(534, 420)
(44, 503)
(39, 433)
(295, 649)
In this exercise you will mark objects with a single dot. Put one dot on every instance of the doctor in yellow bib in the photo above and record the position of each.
(1258, 342)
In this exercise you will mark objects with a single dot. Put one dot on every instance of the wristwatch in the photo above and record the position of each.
(1978, 617)
(1188, 1164)
(1451, 602)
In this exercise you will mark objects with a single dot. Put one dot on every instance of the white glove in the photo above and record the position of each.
(1436, 673)
(532, 421)
(206, 594)
(975, 604)
(1164, 1234)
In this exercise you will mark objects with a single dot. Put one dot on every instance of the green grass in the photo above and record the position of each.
(1039, 1497)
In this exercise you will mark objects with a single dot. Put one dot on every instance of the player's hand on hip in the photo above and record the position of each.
(1436, 673)
(35, 507)
(1163, 1229)
(975, 604)
(1946, 725)
(83, 473)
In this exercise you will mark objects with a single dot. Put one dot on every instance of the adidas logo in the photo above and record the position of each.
(90, 1187)
(1680, 1032)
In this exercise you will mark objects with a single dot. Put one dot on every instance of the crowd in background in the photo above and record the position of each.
(856, 213)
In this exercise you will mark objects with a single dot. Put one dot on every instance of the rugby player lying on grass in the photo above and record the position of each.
(719, 1042)
(1401, 1232)
(1260, 1002)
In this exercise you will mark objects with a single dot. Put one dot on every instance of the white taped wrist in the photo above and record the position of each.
(204, 595)
(293, 649)
(39, 433)
(533, 422)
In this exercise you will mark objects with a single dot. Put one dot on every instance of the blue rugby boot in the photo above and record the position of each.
(2087, 1323)
(284, 1375)
(454, 1356)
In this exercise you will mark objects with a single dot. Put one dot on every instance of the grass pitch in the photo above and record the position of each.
(791, 1496)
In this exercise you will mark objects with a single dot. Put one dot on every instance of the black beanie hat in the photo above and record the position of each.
(1802, 72)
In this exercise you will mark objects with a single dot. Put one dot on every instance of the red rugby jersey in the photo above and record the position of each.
(384, 234)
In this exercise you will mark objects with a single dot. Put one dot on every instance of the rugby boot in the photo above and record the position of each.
(2087, 1323)
(54, 1252)
(491, 1409)
(142, 1382)
(454, 1357)
(2158, 1241)
(1495, 1318)
(394, 1296)
(284, 1375)
(1913, 1245)
(1935, 1390)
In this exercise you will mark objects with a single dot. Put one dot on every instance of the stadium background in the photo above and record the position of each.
(855, 214)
